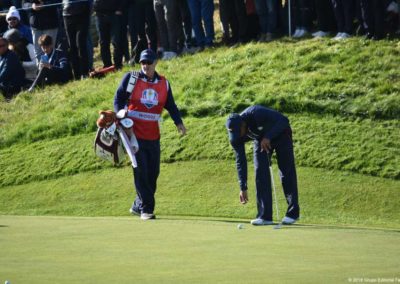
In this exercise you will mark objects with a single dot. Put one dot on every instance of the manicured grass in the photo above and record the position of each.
(181, 250)
(209, 188)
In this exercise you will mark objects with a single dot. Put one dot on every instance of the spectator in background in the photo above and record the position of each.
(145, 25)
(126, 26)
(107, 26)
(185, 24)
(393, 16)
(163, 50)
(25, 52)
(325, 18)
(14, 22)
(12, 73)
(233, 18)
(303, 15)
(373, 16)
(253, 23)
(43, 20)
(174, 23)
(54, 66)
(76, 14)
(267, 11)
(344, 14)
(202, 12)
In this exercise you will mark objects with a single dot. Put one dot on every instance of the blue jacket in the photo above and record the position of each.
(59, 65)
(121, 98)
(12, 74)
(261, 122)
(25, 32)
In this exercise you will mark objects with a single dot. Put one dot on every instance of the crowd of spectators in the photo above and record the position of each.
(55, 35)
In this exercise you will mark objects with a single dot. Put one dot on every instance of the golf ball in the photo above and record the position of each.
(7, 282)
(240, 226)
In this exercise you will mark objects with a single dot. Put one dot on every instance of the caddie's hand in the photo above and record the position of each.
(243, 196)
(122, 113)
(265, 145)
(181, 129)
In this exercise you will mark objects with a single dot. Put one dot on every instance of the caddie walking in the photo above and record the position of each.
(270, 131)
(144, 95)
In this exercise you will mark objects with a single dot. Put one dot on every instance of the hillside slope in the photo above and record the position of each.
(343, 99)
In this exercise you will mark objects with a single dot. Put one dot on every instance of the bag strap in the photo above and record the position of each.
(131, 85)
(132, 82)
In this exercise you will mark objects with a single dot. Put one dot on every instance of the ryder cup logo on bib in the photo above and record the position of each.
(149, 98)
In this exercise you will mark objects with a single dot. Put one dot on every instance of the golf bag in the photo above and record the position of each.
(115, 137)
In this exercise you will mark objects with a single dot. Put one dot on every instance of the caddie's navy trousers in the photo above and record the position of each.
(283, 147)
(146, 174)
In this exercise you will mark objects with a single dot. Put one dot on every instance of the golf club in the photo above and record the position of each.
(279, 225)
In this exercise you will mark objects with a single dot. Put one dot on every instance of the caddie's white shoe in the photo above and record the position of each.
(147, 216)
(261, 222)
(289, 221)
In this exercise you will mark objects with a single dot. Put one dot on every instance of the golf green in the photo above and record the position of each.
(191, 250)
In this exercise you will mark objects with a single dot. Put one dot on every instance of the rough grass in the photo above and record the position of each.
(367, 146)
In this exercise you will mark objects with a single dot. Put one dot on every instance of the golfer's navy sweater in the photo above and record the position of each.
(261, 122)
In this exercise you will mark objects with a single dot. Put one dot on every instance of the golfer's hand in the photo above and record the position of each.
(265, 145)
(181, 129)
(243, 196)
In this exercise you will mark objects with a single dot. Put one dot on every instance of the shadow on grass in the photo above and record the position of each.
(284, 227)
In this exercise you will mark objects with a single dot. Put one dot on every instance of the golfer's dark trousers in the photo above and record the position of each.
(283, 147)
(146, 174)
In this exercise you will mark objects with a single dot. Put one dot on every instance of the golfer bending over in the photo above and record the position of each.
(144, 95)
(270, 131)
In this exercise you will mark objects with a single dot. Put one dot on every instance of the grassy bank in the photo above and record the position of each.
(368, 147)
(342, 98)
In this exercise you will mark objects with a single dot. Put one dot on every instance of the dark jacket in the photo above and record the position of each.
(12, 74)
(107, 6)
(45, 18)
(76, 7)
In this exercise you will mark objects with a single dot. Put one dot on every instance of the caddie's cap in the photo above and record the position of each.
(148, 55)
(13, 13)
(233, 124)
